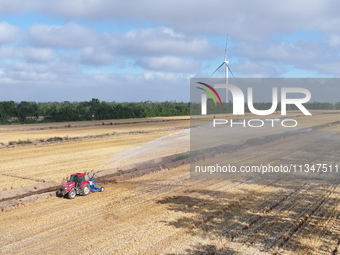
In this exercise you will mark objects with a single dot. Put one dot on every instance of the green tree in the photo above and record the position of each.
(27, 109)
(7, 110)
(337, 106)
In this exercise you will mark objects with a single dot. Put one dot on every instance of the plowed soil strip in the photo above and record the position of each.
(212, 214)
(274, 229)
(257, 209)
(303, 219)
(320, 232)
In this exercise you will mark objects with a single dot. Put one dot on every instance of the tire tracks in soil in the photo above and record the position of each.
(273, 230)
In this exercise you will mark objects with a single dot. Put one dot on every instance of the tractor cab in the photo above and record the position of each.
(77, 178)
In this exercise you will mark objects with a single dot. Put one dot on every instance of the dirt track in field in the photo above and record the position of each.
(167, 212)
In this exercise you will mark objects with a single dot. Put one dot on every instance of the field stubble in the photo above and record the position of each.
(30, 164)
(168, 212)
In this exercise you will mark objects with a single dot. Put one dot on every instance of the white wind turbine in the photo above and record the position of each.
(227, 70)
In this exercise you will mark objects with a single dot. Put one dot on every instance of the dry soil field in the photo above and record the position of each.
(95, 144)
(168, 212)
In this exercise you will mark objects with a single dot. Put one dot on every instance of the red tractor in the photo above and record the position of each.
(77, 185)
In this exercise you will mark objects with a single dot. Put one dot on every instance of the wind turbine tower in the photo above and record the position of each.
(227, 70)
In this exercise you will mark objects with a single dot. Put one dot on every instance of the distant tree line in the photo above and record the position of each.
(87, 110)
(25, 112)
(195, 108)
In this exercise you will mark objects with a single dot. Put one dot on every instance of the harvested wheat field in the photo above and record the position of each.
(23, 165)
(87, 129)
(167, 212)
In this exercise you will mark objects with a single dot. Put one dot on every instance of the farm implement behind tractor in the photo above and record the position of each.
(93, 183)
(77, 185)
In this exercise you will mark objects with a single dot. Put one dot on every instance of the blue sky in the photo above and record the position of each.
(148, 50)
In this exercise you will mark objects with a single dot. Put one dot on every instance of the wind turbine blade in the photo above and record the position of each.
(217, 69)
(225, 51)
(230, 71)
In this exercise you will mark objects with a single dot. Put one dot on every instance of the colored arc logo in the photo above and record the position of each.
(208, 92)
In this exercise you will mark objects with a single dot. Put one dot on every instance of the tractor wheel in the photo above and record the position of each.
(102, 189)
(86, 189)
(71, 194)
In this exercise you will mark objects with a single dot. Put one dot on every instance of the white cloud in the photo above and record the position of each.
(168, 43)
(147, 47)
(169, 63)
(251, 20)
(159, 41)
(90, 56)
(297, 52)
(8, 33)
(334, 41)
(19, 6)
(26, 83)
(27, 53)
(256, 69)
(70, 36)
(36, 54)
